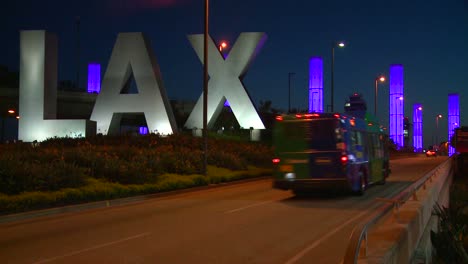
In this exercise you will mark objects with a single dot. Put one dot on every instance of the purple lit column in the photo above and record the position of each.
(316, 85)
(417, 127)
(143, 130)
(94, 78)
(396, 104)
(453, 117)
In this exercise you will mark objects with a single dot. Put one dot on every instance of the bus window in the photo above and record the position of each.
(323, 134)
(356, 141)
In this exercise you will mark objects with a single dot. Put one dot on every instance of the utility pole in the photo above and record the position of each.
(205, 91)
(77, 82)
(289, 90)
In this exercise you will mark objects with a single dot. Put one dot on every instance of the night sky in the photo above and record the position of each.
(428, 37)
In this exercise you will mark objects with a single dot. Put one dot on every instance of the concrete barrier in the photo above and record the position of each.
(404, 236)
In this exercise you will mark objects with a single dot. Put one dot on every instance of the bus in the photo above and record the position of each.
(328, 151)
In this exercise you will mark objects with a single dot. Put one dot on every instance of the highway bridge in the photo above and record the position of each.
(248, 222)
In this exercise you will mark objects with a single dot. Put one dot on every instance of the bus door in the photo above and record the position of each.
(325, 148)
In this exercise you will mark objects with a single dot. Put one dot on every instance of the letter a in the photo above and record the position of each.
(132, 54)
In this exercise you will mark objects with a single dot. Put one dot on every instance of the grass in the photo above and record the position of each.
(100, 189)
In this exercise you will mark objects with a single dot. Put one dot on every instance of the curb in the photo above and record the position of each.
(115, 202)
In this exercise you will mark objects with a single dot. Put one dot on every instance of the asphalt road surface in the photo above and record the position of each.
(241, 223)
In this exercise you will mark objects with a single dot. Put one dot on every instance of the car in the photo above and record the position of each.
(431, 153)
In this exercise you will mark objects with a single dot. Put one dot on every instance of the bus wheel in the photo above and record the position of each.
(362, 182)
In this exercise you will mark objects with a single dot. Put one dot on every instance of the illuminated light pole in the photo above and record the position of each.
(453, 118)
(396, 107)
(316, 85)
(417, 127)
(289, 90)
(397, 127)
(437, 128)
(341, 45)
(381, 79)
(205, 91)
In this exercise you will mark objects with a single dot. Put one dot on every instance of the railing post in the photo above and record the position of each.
(396, 211)
(415, 196)
(363, 248)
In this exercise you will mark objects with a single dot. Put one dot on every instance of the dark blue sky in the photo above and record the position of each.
(428, 37)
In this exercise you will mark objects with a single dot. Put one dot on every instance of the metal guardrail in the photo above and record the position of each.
(359, 234)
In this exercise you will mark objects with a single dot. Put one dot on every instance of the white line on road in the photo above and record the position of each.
(245, 207)
(91, 248)
(317, 242)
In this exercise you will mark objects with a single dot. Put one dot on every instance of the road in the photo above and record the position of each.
(242, 223)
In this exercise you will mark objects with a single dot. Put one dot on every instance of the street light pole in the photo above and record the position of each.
(289, 90)
(340, 44)
(375, 97)
(382, 79)
(77, 53)
(205, 91)
(332, 76)
(437, 128)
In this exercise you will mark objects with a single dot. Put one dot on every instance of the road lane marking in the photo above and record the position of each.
(317, 242)
(91, 248)
(246, 207)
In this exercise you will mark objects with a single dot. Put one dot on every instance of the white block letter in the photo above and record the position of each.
(132, 54)
(225, 81)
(38, 91)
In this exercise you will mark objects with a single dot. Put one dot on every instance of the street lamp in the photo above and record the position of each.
(289, 90)
(381, 79)
(437, 128)
(340, 45)
(222, 46)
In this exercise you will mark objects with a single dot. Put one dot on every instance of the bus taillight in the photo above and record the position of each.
(311, 115)
(344, 160)
(275, 161)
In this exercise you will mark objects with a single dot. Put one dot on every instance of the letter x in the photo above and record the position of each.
(225, 81)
